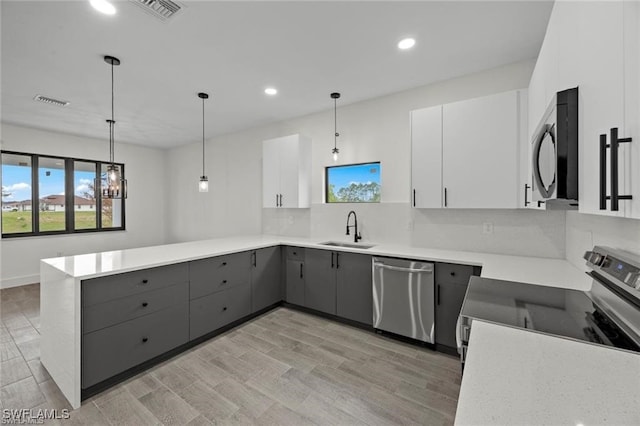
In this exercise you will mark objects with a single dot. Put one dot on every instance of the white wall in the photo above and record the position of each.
(146, 208)
(583, 231)
(374, 130)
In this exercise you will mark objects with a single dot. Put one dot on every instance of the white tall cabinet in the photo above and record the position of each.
(286, 169)
(595, 46)
(467, 154)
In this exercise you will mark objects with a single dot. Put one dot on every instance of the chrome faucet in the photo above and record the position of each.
(356, 235)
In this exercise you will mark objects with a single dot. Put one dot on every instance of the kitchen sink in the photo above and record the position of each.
(349, 245)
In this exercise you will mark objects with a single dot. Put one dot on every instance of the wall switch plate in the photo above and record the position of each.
(487, 228)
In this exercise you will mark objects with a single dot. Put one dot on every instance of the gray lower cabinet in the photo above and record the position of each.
(354, 298)
(103, 289)
(209, 313)
(219, 273)
(266, 278)
(294, 275)
(320, 281)
(451, 283)
(115, 349)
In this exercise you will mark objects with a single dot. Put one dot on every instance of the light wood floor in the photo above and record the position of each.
(283, 368)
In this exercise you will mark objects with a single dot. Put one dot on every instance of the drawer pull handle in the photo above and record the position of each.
(453, 274)
(145, 281)
(145, 304)
(224, 281)
(224, 309)
(224, 263)
(145, 339)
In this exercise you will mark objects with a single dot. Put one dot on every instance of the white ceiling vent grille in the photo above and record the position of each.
(50, 101)
(161, 9)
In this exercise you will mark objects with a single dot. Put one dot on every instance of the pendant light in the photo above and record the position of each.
(203, 185)
(335, 96)
(112, 185)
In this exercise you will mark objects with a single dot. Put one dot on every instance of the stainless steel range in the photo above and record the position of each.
(608, 314)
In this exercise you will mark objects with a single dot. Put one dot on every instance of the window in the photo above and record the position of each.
(47, 195)
(353, 183)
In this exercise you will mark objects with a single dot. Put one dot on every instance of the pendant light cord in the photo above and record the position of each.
(335, 123)
(203, 137)
(112, 122)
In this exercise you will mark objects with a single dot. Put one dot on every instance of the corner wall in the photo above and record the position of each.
(146, 219)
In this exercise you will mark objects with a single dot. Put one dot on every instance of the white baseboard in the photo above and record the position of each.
(18, 281)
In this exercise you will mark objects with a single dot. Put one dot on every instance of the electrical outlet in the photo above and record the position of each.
(487, 228)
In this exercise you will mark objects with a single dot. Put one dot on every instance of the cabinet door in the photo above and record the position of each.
(449, 298)
(289, 168)
(320, 281)
(480, 152)
(354, 299)
(600, 72)
(266, 283)
(426, 157)
(270, 173)
(295, 281)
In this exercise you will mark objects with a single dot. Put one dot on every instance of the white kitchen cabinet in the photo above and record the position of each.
(286, 168)
(595, 46)
(467, 154)
(426, 157)
(480, 152)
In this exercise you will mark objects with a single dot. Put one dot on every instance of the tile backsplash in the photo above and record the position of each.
(516, 232)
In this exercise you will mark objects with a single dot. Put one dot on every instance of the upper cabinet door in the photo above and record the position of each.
(270, 173)
(286, 170)
(480, 152)
(289, 170)
(426, 157)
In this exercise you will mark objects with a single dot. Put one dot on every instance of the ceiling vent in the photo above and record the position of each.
(50, 101)
(161, 9)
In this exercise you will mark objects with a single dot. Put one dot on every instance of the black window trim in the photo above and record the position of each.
(326, 184)
(69, 170)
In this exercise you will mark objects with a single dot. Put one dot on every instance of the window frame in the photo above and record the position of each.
(326, 183)
(69, 216)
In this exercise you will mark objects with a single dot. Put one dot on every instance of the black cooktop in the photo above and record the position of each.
(557, 311)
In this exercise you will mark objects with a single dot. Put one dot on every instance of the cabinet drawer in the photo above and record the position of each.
(216, 310)
(104, 289)
(106, 314)
(219, 273)
(113, 350)
(452, 273)
(295, 253)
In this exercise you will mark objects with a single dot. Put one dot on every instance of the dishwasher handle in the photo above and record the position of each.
(428, 269)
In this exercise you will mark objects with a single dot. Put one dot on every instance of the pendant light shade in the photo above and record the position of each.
(203, 185)
(111, 184)
(335, 151)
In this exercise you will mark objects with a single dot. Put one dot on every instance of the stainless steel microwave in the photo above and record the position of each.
(554, 154)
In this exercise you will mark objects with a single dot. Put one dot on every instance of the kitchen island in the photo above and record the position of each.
(61, 284)
(513, 376)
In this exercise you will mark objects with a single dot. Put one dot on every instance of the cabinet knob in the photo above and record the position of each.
(224, 309)
(453, 274)
(145, 281)
(145, 304)
(224, 281)
(224, 263)
(145, 339)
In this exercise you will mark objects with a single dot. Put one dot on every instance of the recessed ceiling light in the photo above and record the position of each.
(103, 6)
(406, 43)
(270, 91)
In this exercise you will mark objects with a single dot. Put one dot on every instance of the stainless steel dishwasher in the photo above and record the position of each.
(403, 298)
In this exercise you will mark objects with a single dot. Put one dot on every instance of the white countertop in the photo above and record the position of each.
(534, 270)
(520, 377)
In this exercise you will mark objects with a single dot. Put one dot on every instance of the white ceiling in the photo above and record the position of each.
(233, 50)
